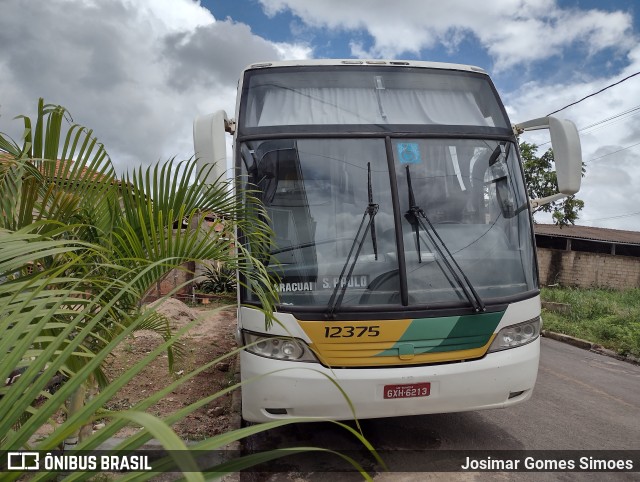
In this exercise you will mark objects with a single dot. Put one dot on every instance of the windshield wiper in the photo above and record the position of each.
(372, 210)
(358, 241)
(415, 215)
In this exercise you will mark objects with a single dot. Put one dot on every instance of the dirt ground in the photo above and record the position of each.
(212, 336)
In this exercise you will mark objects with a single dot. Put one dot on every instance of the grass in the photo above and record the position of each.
(609, 318)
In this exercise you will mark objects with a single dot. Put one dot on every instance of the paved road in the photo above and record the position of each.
(582, 401)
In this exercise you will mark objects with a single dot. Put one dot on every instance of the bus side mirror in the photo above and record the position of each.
(567, 154)
(210, 144)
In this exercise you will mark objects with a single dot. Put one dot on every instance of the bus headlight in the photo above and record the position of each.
(278, 347)
(516, 335)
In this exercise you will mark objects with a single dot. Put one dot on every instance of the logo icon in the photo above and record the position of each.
(23, 461)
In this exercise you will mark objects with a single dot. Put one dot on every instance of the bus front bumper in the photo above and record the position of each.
(274, 389)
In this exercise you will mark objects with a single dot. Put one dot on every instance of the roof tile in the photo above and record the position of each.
(588, 232)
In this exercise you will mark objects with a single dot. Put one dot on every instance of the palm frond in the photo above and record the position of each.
(78, 249)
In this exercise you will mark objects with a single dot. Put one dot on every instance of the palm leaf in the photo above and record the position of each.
(96, 245)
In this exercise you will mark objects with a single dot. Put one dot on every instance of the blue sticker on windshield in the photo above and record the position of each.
(409, 153)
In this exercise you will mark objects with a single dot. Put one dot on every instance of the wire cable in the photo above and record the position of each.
(614, 152)
(613, 117)
(594, 94)
(618, 117)
(611, 217)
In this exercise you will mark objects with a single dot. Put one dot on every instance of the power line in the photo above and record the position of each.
(593, 94)
(614, 152)
(633, 111)
(611, 217)
(613, 117)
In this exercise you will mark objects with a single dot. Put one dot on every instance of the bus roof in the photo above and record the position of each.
(372, 62)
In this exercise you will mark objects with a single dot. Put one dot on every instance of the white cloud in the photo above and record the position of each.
(517, 34)
(136, 71)
(609, 149)
(139, 71)
(171, 15)
(293, 51)
(512, 31)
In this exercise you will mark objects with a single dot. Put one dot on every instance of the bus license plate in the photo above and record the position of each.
(407, 391)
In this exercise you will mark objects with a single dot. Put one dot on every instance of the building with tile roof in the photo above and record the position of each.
(588, 239)
(585, 256)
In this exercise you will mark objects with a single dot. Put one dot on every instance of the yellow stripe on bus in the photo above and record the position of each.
(360, 343)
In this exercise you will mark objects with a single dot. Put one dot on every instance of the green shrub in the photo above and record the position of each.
(607, 317)
(218, 280)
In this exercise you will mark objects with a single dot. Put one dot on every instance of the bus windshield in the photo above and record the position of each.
(318, 193)
(380, 96)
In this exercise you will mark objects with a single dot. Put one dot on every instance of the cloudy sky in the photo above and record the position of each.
(139, 71)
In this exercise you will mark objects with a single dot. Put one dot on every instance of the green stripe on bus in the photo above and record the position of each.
(449, 333)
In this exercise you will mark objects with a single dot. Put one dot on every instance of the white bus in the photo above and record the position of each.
(403, 239)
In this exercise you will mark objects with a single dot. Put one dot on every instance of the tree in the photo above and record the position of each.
(541, 180)
(64, 186)
(78, 250)
(45, 318)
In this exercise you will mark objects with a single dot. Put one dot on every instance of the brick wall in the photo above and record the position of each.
(170, 283)
(576, 268)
